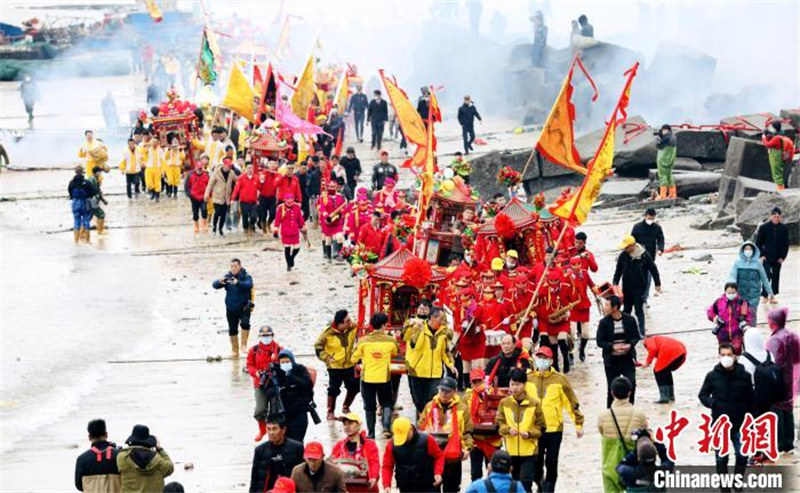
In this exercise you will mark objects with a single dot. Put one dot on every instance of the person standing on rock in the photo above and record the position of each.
(467, 113)
(649, 234)
(750, 277)
(634, 264)
(96, 469)
(772, 239)
(667, 146)
(334, 347)
(780, 150)
(238, 286)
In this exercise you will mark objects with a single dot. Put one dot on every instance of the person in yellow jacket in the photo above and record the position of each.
(334, 347)
(456, 442)
(520, 422)
(556, 395)
(91, 153)
(426, 353)
(375, 351)
(486, 442)
(173, 166)
(155, 169)
(143, 154)
(129, 167)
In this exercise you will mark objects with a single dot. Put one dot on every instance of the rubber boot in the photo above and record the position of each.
(243, 340)
(287, 255)
(262, 430)
(101, 226)
(336, 246)
(204, 225)
(87, 235)
(387, 422)
(671, 395)
(663, 391)
(662, 193)
(234, 346)
(582, 350)
(673, 192)
(331, 408)
(348, 399)
(196, 227)
(781, 187)
(370, 424)
(76, 233)
(562, 344)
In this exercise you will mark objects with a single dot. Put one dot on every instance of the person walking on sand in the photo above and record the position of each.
(289, 224)
(196, 184)
(467, 113)
(276, 458)
(143, 465)
(358, 106)
(260, 361)
(634, 264)
(246, 192)
(297, 394)
(749, 275)
(785, 345)
(356, 446)
(334, 347)
(238, 285)
(413, 458)
(80, 191)
(96, 469)
(617, 335)
(129, 167)
(97, 199)
(616, 425)
(377, 115)
(669, 355)
(772, 239)
(219, 191)
(730, 314)
(650, 235)
(316, 473)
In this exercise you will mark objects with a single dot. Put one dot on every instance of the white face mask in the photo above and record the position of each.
(286, 367)
(649, 221)
(726, 361)
(266, 340)
(542, 364)
(748, 253)
(730, 296)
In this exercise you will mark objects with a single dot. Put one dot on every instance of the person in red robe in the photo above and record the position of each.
(472, 340)
(587, 257)
(331, 206)
(358, 216)
(511, 270)
(371, 236)
(555, 295)
(493, 315)
(386, 199)
(520, 300)
(581, 282)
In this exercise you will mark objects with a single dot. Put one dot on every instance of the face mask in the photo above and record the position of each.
(266, 340)
(542, 364)
(726, 361)
(649, 221)
(286, 367)
(748, 253)
(467, 259)
(730, 296)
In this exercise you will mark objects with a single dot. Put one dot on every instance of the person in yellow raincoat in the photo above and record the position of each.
(88, 153)
(155, 169)
(520, 421)
(173, 165)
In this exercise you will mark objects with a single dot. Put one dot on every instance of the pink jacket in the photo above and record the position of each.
(327, 204)
(288, 222)
(356, 220)
(732, 313)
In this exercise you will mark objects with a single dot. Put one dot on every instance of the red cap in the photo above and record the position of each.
(313, 451)
(553, 275)
(477, 374)
(284, 485)
(544, 351)
(576, 260)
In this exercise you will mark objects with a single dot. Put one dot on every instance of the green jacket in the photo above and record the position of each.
(143, 470)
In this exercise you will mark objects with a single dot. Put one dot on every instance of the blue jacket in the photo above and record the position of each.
(237, 296)
(749, 275)
(501, 483)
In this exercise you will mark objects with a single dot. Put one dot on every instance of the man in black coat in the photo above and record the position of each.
(617, 335)
(383, 170)
(649, 234)
(377, 115)
(352, 168)
(358, 106)
(467, 113)
(96, 469)
(509, 358)
(275, 458)
(297, 394)
(728, 390)
(633, 265)
(772, 241)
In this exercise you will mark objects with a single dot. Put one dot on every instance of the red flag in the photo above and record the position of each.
(339, 139)
(258, 79)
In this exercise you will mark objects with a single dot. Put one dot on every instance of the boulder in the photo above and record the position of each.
(713, 165)
(633, 158)
(538, 176)
(747, 158)
(758, 211)
(687, 164)
(755, 124)
(693, 183)
(749, 188)
(793, 115)
(701, 144)
(615, 188)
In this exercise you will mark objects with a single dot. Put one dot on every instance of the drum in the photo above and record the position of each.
(494, 337)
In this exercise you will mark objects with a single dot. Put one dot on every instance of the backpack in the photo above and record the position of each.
(768, 379)
(512, 487)
(787, 149)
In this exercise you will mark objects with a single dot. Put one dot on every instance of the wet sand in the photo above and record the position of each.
(202, 412)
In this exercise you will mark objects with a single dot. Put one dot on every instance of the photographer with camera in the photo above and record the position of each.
(638, 468)
(238, 286)
(667, 146)
(296, 394)
(260, 361)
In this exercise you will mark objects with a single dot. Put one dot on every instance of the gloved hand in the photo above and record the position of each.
(506, 321)
(464, 324)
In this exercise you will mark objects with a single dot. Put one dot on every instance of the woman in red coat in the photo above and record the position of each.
(669, 354)
(289, 224)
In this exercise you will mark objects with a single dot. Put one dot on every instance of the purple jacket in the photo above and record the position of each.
(732, 313)
(784, 344)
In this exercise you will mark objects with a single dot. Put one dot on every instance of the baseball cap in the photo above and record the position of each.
(501, 462)
(544, 351)
(350, 417)
(497, 263)
(512, 254)
(477, 374)
(313, 451)
(448, 383)
(627, 241)
(284, 485)
(400, 429)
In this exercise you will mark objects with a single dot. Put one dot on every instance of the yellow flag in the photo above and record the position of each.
(410, 121)
(341, 95)
(240, 96)
(305, 89)
(557, 140)
(302, 148)
(599, 169)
